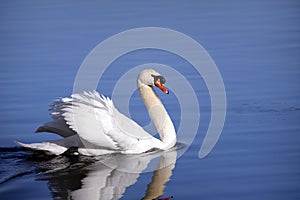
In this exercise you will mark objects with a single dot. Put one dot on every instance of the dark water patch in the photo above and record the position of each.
(15, 162)
(12, 165)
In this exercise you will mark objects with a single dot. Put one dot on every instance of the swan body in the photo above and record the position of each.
(91, 123)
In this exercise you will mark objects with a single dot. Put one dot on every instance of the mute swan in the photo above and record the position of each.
(91, 123)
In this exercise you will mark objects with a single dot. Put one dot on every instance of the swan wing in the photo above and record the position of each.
(96, 120)
(57, 126)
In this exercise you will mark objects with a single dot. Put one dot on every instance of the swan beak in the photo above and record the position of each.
(162, 87)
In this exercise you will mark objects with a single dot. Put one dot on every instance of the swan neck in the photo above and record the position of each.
(158, 115)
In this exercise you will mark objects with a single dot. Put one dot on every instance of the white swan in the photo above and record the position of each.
(93, 125)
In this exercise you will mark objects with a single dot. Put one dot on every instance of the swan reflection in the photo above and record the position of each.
(108, 176)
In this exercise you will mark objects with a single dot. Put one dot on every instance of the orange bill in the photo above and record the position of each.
(161, 86)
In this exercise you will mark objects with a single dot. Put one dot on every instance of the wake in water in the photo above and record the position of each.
(12, 164)
(15, 162)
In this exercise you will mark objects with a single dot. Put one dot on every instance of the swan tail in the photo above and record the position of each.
(48, 148)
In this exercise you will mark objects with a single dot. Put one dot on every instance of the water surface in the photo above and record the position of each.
(255, 46)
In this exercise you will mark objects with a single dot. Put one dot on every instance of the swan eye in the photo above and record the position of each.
(159, 78)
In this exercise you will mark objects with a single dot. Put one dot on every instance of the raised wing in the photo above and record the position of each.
(96, 120)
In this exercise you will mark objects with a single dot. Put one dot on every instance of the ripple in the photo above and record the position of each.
(266, 107)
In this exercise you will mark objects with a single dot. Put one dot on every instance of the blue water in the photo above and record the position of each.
(255, 45)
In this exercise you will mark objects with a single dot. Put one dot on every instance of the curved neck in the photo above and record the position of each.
(159, 115)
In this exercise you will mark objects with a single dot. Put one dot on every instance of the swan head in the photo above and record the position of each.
(152, 78)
